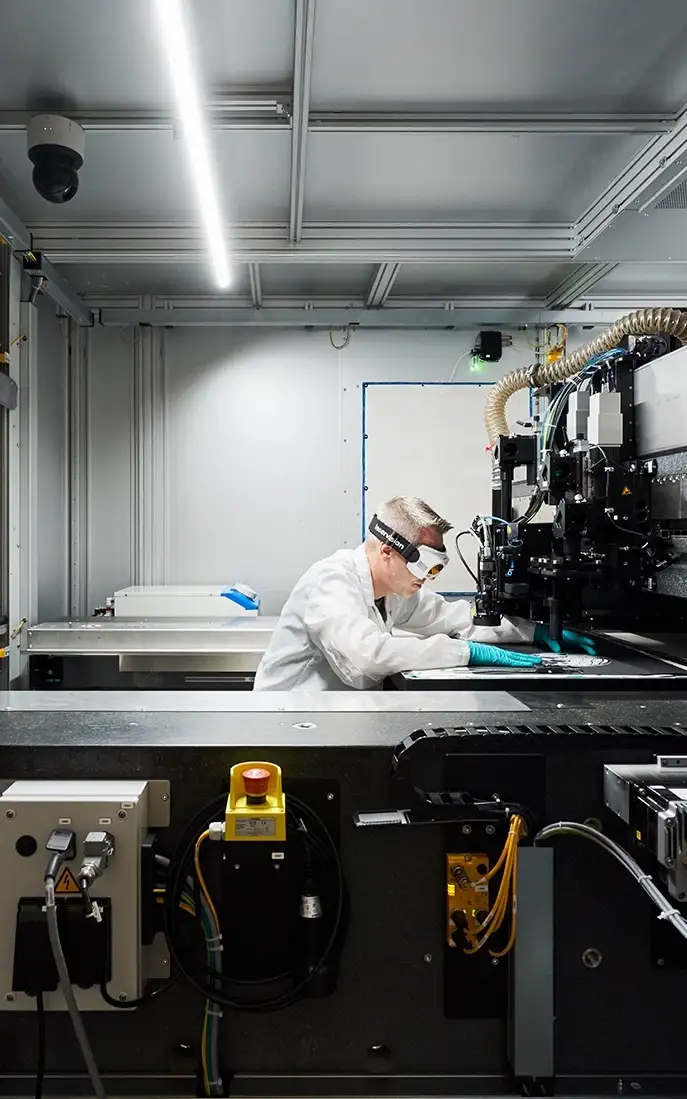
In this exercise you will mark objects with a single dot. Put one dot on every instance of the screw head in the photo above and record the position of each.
(10, 997)
(495, 961)
(466, 829)
(122, 814)
(490, 829)
(592, 958)
(660, 961)
(10, 814)
(122, 997)
(330, 797)
(428, 958)
(164, 961)
(164, 797)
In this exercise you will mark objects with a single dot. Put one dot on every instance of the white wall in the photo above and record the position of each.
(260, 432)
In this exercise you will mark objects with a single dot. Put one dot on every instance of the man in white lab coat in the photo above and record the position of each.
(336, 628)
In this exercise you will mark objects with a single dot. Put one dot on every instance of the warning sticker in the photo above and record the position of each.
(66, 883)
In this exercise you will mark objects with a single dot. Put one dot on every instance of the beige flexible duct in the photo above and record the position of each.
(641, 323)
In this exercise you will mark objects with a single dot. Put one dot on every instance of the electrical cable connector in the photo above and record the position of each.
(99, 847)
(62, 848)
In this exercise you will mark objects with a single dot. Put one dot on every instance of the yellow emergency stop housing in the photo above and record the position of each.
(254, 820)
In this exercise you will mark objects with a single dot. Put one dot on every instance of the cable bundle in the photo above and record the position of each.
(508, 862)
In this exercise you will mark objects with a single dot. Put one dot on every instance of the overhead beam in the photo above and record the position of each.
(417, 122)
(578, 283)
(275, 317)
(382, 284)
(56, 286)
(262, 110)
(302, 72)
(320, 243)
(269, 111)
(255, 285)
(659, 164)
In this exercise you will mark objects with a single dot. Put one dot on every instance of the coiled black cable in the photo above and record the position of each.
(320, 856)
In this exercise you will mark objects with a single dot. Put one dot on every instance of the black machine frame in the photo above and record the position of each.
(385, 1030)
(597, 562)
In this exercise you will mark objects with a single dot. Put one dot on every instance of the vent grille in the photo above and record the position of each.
(675, 199)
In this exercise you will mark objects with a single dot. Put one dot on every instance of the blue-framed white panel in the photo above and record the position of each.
(428, 439)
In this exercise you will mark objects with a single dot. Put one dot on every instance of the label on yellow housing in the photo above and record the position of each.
(254, 826)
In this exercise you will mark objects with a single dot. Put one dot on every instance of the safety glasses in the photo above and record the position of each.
(424, 562)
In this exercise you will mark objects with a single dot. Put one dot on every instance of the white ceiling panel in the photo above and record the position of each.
(96, 53)
(645, 279)
(594, 55)
(100, 280)
(317, 279)
(451, 177)
(477, 279)
(143, 177)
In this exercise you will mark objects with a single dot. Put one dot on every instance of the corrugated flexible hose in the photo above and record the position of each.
(641, 323)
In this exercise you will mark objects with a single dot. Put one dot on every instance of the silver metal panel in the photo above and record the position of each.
(113, 636)
(53, 509)
(266, 702)
(81, 45)
(654, 237)
(617, 793)
(661, 404)
(133, 279)
(467, 279)
(432, 55)
(316, 279)
(645, 278)
(143, 177)
(500, 184)
(531, 1022)
(108, 464)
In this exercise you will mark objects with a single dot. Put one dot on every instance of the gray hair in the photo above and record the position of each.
(409, 515)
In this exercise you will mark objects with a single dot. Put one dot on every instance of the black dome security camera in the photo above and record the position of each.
(56, 150)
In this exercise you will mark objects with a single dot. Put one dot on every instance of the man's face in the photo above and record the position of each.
(397, 574)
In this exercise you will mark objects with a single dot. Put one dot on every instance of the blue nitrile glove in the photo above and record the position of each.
(493, 656)
(569, 640)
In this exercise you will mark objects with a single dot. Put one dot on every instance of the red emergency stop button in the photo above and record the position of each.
(256, 781)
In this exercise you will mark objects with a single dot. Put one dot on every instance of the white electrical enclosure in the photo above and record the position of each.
(178, 601)
(661, 404)
(127, 810)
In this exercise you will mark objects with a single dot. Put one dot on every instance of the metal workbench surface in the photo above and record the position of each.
(151, 636)
(330, 720)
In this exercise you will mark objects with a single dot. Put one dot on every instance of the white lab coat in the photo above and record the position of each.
(331, 635)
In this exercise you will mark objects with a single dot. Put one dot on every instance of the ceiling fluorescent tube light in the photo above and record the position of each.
(188, 101)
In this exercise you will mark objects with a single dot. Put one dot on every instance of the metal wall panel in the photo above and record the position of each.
(52, 515)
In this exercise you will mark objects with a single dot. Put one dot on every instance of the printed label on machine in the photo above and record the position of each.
(255, 826)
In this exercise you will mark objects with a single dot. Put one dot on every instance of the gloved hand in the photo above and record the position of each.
(569, 640)
(493, 656)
